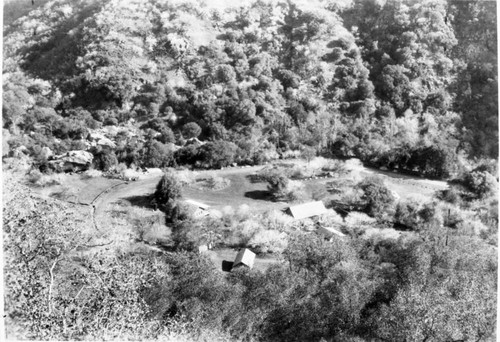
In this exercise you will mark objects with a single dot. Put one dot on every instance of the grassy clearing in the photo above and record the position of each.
(240, 191)
(75, 188)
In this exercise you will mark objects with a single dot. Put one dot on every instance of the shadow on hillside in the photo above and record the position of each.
(54, 50)
(140, 201)
(262, 195)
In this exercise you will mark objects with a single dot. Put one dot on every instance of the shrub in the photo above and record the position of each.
(295, 191)
(147, 226)
(407, 214)
(245, 230)
(481, 183)
(355, 218)
(158, 155)
(269, 241)
(308, 153)
(191, 130)
(215, 182)
(430, 215)
(105, 160)
(472, 227)
(289, 154)
(378, 199)
(277, 220)
(301, 172)
(450, 195)
(186, 177)
(217, 154)
(91, 174)
(120, 168)
(34, 177)
(335, 168)
(331, 218)
(243, 212)
(187, 155)
(167, 189)
(278, 185)
(431, 161)
(451, 215)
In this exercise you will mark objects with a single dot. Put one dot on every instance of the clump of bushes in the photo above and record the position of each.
(148, 227)
(406, 215)
(451, 195)
(335, 168)
(212, 182)
(481, 183)
(283, 189)
(92, 173)
(37, 178)
(377, 199)
(34, 177)
(268, 241)
(168, 191)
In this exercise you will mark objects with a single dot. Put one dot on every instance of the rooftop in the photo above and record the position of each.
(306, 210)
(244, 257)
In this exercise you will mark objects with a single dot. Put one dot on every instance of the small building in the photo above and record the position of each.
(329, 232)
(245, 257)
(306, 210)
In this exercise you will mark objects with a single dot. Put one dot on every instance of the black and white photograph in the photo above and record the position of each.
(249, 170)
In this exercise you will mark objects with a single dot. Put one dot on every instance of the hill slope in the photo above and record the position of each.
(256, 81)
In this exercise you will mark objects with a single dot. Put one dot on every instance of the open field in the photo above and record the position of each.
(240, 191)
(113, 199)
(74, 188)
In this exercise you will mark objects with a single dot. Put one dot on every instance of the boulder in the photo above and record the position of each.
(78, 157)
(94, 136)
(47, 152)
(20, 151)
(72, 161)
(106, 143)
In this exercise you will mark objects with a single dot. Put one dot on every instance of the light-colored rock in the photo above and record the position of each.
(20, 151)
(46, 152)
(106, 142)
(78, 157)
(96, 136)
(130, 175)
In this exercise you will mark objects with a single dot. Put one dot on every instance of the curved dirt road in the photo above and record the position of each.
(405, 186)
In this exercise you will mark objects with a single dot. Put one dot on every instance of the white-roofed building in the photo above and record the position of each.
(307, 210)
(244, 257)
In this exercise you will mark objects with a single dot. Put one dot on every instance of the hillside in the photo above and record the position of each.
(257, 81)
(348, 149)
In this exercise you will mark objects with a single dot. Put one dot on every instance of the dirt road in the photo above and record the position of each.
(242, 191)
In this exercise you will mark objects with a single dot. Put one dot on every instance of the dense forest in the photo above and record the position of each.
(401, 85)
(405, 84)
